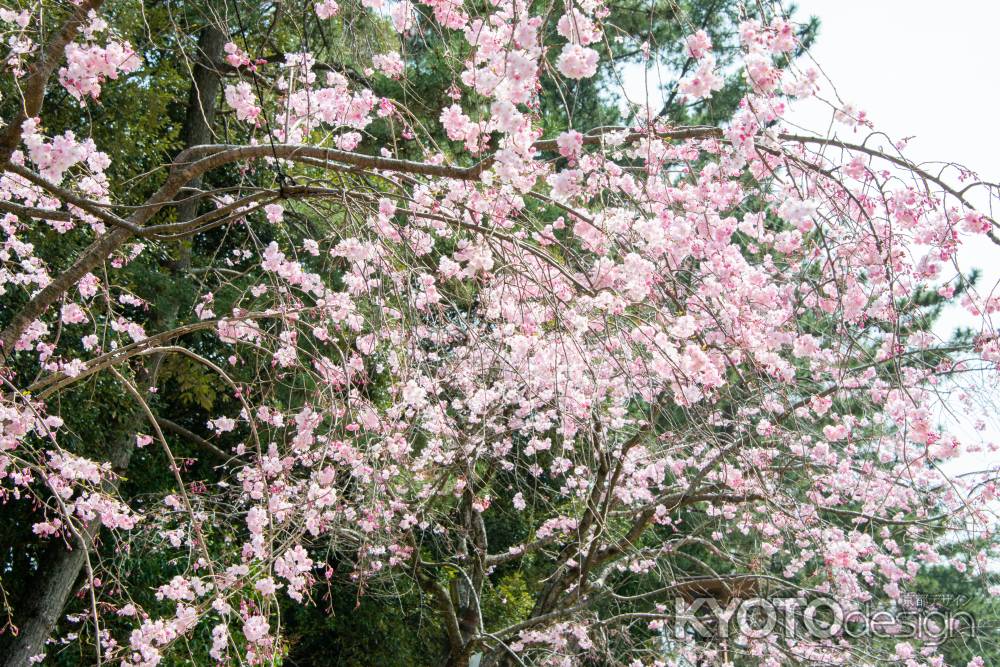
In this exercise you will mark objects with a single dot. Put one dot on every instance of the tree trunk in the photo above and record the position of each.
(202, 100)
(57, 575)
(45, 602)
(459, 660)
(56, 579)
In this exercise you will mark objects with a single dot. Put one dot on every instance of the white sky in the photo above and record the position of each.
(919, 67)
(922, 69)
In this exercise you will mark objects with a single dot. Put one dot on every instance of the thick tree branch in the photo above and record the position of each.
(39, 72)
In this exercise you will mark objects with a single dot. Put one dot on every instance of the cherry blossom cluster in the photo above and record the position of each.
(90, 64)
(600, 318)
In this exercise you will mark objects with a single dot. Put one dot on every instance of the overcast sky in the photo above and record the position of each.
(919, 67)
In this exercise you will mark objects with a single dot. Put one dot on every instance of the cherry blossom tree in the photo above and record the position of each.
(679, 360)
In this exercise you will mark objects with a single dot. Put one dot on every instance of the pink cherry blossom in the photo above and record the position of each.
(698, 44)
(578, 28)
(704, 81)
(390, 64)
(327, 9)
(242, 99)
(577, 62)
(89, 66)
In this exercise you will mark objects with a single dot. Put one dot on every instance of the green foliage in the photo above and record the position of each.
(350, 628)
(963, 595)
(194, 384)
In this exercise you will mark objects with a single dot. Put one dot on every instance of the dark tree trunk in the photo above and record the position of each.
(56, 579)
(202, 101)
(45, 602)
